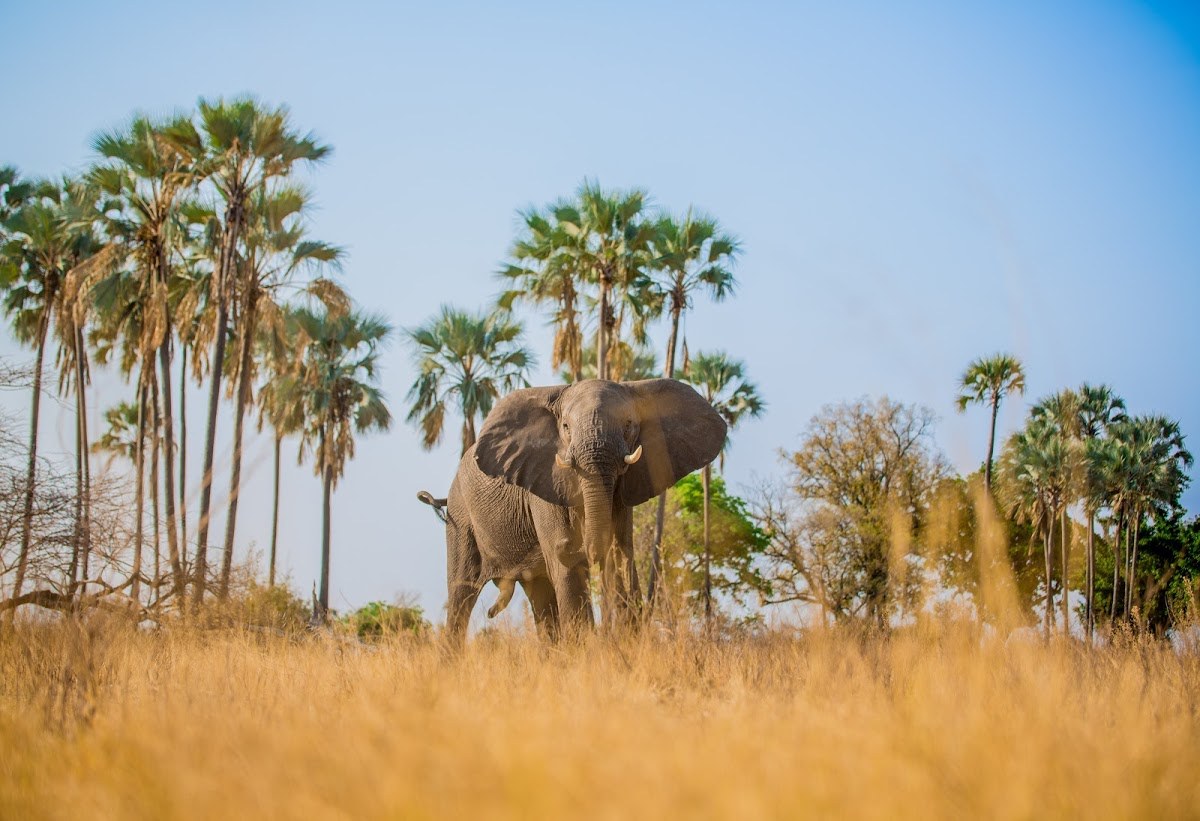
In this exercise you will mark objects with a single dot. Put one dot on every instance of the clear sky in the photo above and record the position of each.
(915, 185)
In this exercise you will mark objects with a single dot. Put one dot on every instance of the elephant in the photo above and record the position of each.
(549, 488)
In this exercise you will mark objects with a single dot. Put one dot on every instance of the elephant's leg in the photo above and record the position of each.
(544, 603)
(561, 540)
(574, 594)
(459, 605)
(463, 566)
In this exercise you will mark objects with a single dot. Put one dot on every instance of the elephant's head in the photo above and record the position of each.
(593, 442)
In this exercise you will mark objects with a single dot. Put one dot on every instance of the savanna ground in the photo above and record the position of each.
(939, 720)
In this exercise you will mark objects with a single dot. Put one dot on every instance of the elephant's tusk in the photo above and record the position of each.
(633, 457)
(569, 463)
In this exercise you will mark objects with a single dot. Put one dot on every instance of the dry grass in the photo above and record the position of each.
(104, 722)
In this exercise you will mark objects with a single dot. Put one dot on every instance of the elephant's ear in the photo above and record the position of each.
(518, 442)
(680, 432)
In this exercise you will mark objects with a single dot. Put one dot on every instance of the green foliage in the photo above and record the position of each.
(379, 620)
(1168, 573)
(737, 543)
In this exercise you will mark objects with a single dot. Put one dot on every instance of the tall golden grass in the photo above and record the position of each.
(938, 720)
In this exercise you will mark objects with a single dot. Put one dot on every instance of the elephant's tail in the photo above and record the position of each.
(438, 505)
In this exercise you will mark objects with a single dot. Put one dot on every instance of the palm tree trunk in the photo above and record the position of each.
(222, 288)
(327, 489)
(987, 469)
(183, 351)
(85, 522)
(602, 330)
(31, 464)
(140, 490)
(235, 478)
(1047, 551)
(707, 552)
(661, 513)
(155, 441)
(1091, 576)
(167, 418)
(574, 345)
(468, 432)
(1132, 583)
(210, 444)
(275, 513)
(77, 534)
(1065, 552)
(1116, 547)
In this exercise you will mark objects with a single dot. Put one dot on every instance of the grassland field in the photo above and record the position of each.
(938, 721)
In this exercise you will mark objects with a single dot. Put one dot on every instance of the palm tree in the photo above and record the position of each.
(464, 362)
(690, 255)
(1062, 412)
(336, 383)
(1099, 408)
(722, 381)
(1151, 476)
(48, 238)
(990, 379)
(1037, 465)
(280, 402)
(274, 249)
(147, 169)
(544, 273)
(248, 145)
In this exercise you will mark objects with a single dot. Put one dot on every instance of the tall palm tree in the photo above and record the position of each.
(147, 169)
(690, 255)
(988, 380)
(464, 363)
(722, 382)
(1099, 408)
(336, 381)
(32, 274)
(49, 236)
(274, 249)
(248, 145)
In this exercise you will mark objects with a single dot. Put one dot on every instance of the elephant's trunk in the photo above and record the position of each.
(597, 518)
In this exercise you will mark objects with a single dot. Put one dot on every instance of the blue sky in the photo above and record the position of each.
(914, 184)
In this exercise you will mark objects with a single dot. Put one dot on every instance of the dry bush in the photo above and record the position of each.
(938, 720)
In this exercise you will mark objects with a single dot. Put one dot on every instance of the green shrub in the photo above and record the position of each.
(380, 619)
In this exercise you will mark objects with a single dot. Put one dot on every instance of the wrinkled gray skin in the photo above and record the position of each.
(549, 489)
